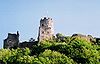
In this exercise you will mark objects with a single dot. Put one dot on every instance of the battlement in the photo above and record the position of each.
(45, 18)
(45, 29)
(11, 41)
(45, 33)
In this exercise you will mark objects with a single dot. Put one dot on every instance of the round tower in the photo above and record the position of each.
(46, 31)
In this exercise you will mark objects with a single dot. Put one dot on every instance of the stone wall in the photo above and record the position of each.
(46, 29)
(11, 41)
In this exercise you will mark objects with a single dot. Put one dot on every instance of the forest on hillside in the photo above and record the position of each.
(66, 50)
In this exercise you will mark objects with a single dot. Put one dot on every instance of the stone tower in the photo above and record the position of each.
(45, 29)
(11, 41)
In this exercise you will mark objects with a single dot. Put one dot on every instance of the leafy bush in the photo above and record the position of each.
(72, 50)
(53, 57)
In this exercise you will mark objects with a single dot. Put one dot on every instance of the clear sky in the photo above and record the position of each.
(70, 16)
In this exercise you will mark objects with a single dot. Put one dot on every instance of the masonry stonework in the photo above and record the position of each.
(12, 41)
(46, 31)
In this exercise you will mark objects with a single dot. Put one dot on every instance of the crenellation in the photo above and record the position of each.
(45, 29)
(45, 32)
(11, 41)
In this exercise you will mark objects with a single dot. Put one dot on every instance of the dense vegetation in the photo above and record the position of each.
(69, 50)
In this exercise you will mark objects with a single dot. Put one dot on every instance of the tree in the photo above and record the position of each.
(53, 57)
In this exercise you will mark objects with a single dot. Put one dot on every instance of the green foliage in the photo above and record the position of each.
(70, 50)
(5, 55)
(53, 57)
(11, 56)
(58, 35)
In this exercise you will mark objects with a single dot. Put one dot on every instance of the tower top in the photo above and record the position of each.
(45, 18)
(46, 29)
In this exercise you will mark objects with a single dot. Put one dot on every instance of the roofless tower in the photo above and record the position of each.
(46, 31)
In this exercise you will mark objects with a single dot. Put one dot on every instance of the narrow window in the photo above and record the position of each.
(42, 24)
(47, 32)
(42, 32)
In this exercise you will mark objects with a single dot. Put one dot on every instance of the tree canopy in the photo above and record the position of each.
(70, 50)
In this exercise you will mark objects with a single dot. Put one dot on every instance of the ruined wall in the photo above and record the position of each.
(11, 41)
(46, 29)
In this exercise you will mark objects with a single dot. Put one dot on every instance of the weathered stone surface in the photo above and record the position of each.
(45, 29)
(45, 32)
(11, 41)
(89, 38)
(27, 44)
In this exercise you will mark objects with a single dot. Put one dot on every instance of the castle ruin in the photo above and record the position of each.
(45, 29)
(12, 41)
(45, 33)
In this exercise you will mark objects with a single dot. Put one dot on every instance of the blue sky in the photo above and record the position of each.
(70, 16)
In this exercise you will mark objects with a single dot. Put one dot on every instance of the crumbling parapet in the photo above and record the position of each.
(11, 41)
(46, 31)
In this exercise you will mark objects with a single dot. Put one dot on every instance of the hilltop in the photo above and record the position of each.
(50, 49)
(75, 49)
